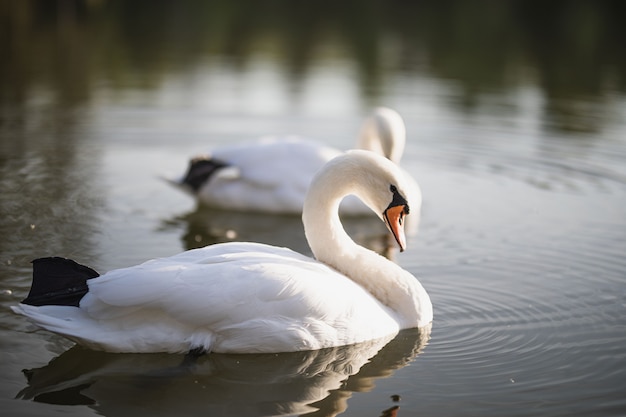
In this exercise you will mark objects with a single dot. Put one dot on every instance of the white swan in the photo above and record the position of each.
(272, 174)
(249, 297)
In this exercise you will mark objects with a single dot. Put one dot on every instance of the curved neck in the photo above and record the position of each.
(384, 133)
(386, 281)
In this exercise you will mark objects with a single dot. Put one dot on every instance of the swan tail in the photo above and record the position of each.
(58, 281)
(200, 170)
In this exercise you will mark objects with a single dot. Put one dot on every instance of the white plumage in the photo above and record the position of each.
(250, 297)
(272, 174)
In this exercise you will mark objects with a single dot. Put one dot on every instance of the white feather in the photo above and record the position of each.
(272, 174)
(250, 297)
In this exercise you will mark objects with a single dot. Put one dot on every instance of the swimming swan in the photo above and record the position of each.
(249, 297)
(272, 174)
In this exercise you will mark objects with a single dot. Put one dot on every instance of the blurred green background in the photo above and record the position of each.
(567, 47)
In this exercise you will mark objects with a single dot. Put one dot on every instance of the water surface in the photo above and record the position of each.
(515, 114)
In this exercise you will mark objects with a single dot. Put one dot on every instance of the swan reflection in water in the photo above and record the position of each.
(313, 382)
(206, 226)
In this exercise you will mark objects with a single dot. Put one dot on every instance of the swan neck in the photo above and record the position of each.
(330, 244)
(384, 132)
(324, 232)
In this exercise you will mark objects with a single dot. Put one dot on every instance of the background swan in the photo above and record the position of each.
(273, 174)
(249, 297)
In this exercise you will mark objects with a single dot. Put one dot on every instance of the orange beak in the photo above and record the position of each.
(394, 217)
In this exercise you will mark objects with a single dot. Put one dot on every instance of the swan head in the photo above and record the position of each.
(382, 187)
(377, 181)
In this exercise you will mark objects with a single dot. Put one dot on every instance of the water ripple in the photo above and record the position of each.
(529, 301)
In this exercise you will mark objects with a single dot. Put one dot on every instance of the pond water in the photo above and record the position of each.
(516, 121)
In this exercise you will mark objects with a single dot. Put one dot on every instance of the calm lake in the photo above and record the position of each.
(516, 124)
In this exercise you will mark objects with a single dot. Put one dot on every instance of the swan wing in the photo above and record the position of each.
(235, 297)
(273, 174)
